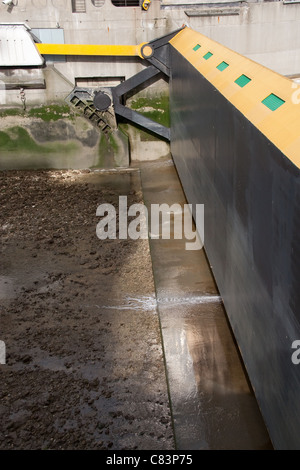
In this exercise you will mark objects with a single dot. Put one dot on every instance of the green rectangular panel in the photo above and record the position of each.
(242, 81)
(272, 102)
(207, 55)
(196, 47)
(222, 66)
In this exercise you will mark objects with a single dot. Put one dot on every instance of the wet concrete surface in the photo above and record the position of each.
(213, 405)
(85, 325)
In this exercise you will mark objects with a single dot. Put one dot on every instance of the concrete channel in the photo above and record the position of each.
(119, 361)
(212, 403)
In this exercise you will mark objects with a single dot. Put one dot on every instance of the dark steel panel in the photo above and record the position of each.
(102, 101)
(143, 121)
(160, 60)
(134, 116)
(161, 53)
(135, 80)
(251, 193)
(158, 42)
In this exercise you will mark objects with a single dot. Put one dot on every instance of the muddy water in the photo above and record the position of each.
(84, 366)
(212, 402)
(80, 321)
(76, 159)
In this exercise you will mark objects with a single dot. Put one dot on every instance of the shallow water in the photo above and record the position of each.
(38, 161)
(213, 405)
(212, 402)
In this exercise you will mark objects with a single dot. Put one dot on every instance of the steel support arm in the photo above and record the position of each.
(143, 121)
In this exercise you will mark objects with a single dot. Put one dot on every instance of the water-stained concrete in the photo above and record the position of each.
(212, 402)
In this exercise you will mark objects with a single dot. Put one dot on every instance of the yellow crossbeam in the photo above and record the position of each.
(84, 49)
(282, 126)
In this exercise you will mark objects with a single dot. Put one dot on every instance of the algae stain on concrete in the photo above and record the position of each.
(51, 113)
(113, 150)
(57, 136)
(46, 137)
(17, 139)
(155, 108)
(18, 150)
(46, 113)
(144, 145)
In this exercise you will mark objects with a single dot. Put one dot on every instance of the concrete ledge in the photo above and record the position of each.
(212, 12)
(13, 79)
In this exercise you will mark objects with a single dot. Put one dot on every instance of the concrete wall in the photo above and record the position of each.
(55, 136)
(267, 32)
(30, 142)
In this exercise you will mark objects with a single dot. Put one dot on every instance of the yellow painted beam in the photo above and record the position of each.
(282, 126)
(85, 49)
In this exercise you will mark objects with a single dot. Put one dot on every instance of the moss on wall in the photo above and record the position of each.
(51, 113)
(113, 150)
(46, 113)
(155, 108)
(17, 139)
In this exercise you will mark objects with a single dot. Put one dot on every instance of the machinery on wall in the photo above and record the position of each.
(235, 143)
(146, 4)
(104, 105)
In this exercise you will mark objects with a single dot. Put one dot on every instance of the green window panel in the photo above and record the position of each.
(273, 102)
(196, 47)
(222, 66)
(207, 55)
(242, 81)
